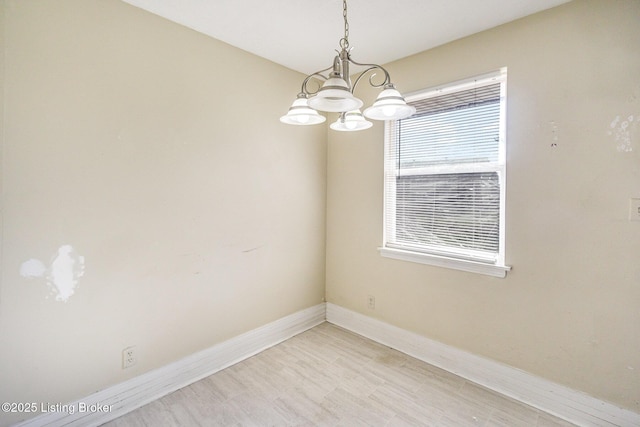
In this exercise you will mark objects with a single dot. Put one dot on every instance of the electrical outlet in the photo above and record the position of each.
(129, 357)
(371, 302)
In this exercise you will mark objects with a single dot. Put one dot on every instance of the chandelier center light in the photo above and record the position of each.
(336, 95)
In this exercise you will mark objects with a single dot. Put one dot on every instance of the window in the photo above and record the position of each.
(445, 178)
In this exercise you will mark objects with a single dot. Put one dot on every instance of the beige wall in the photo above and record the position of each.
(569, 310)
(195, 226)
(157, 154)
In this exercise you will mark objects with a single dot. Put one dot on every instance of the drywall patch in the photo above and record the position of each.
(621, 129)
(32, 269)
(66, 268)
(62, 276)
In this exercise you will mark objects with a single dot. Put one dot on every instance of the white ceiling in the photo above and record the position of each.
(303, 34)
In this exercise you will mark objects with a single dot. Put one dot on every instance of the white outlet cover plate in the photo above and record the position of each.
(129, 357)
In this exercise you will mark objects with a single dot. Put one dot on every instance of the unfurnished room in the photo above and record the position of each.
(320, 213)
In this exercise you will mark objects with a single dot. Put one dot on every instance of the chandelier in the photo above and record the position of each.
(336, 94)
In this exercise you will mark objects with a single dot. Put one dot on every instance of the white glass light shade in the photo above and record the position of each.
(335, 96)
(389, 105)
(351, 121)
(300, 114)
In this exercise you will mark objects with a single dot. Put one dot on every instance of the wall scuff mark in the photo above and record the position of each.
(554, 134)
(252, 249)
(62, 276)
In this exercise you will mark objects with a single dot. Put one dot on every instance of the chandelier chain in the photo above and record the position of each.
(344, 43)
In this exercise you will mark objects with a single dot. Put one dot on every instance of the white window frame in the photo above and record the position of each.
(471, 262)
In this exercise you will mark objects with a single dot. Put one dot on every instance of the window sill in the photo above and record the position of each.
(442, 261)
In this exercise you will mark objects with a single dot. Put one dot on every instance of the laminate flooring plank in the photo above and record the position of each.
(328, 376)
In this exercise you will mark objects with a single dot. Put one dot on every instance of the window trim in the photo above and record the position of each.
(494, 270)
(496, 267)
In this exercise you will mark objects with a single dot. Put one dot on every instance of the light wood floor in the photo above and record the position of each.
(331, 377)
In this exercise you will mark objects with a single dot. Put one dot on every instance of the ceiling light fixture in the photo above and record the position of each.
(336, 94)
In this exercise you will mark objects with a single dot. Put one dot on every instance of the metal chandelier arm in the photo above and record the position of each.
(372, 67)
(316, 75)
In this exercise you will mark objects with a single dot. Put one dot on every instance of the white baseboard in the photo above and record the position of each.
(563, 402)
(550, 397)
(138, 391)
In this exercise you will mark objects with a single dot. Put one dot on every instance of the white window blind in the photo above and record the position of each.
(445, 173)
